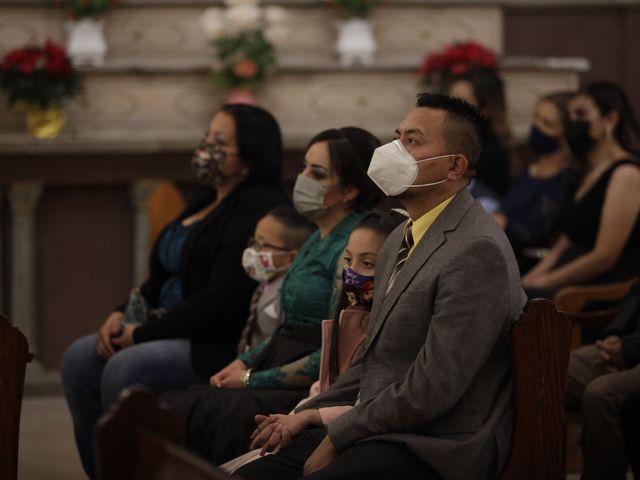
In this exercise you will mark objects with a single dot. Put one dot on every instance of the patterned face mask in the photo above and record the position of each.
(357, 287)
(259, 265)
(206, 161)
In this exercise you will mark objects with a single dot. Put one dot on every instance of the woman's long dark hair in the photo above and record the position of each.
(383, 220)
(488, 88)
(609, 96)
(259, 143)
(350, 152)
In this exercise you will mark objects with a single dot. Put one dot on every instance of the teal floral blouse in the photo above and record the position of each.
(308, 296)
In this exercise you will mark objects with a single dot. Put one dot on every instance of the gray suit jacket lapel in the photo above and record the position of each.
(428, 245)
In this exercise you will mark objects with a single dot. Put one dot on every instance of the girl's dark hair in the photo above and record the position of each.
(488, 88)
(350, 152)
(259, 143)
(382, 220)
(609, 96)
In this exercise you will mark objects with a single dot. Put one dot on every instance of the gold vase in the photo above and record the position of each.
(42, 123)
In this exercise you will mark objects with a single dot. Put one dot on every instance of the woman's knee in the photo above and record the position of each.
(79, 360)
(601, 392)
(120, 372)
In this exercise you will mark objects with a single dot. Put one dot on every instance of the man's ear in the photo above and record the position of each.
(458, 167)
(349, 193)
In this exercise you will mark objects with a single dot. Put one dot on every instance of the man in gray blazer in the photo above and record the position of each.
(432, 388)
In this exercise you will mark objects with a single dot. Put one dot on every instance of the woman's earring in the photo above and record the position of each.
(608, 131)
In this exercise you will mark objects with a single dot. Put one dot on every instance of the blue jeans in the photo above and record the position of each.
(92, 384)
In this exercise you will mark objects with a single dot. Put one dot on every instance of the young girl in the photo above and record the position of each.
(341, 339)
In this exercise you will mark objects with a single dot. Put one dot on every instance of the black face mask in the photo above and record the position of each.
(578, 137)
(541, 143)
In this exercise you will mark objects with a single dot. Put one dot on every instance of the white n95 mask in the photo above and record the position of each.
(393, 169)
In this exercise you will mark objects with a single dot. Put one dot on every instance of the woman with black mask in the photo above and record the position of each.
(600, 239)
(530, 210)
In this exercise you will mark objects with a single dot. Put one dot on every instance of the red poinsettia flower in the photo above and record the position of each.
(57, 62)
(433, 62)
(455, 59)
(459, 68)
(50, 65)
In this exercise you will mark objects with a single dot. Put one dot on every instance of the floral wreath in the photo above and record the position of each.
(244, 36)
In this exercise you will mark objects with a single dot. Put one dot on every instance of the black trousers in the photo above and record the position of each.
(630, 422)
(367, 461)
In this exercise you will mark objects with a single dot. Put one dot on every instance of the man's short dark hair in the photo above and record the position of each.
(297, 227)
(463, 129)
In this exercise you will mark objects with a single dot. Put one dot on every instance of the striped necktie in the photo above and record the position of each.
(403, 254)
(245, 337)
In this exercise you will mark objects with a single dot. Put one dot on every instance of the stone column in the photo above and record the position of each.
(23, 198)
(140, 192)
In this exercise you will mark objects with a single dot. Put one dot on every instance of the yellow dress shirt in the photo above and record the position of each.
(421, 225)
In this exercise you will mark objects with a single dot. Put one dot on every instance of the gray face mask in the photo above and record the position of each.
(308, 197)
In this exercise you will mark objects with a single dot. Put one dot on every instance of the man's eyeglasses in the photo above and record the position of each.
(258, 245)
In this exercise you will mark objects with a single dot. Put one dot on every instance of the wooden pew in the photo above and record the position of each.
(139, 439)
(14, 356)
(572, 301)
(541, 342)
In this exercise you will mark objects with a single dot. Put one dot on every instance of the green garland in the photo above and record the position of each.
(85, 8)
(356, 8)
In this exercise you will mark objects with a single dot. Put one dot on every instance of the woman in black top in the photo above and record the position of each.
(197, 291)
(600, 240)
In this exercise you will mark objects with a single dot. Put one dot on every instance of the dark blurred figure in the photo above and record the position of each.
(484, 89)
(600, 378)
(630, 421)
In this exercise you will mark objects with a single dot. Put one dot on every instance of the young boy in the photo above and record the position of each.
(278, 237)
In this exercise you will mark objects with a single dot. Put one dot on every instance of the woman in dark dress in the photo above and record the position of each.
(600, 239)
(185, 322)
(529, 212)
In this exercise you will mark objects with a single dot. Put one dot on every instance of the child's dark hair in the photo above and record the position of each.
(382, 220)
(298, 228)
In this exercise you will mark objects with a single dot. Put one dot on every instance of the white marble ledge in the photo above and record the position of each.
(313, 65)
(99, 142)
(387, 3)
